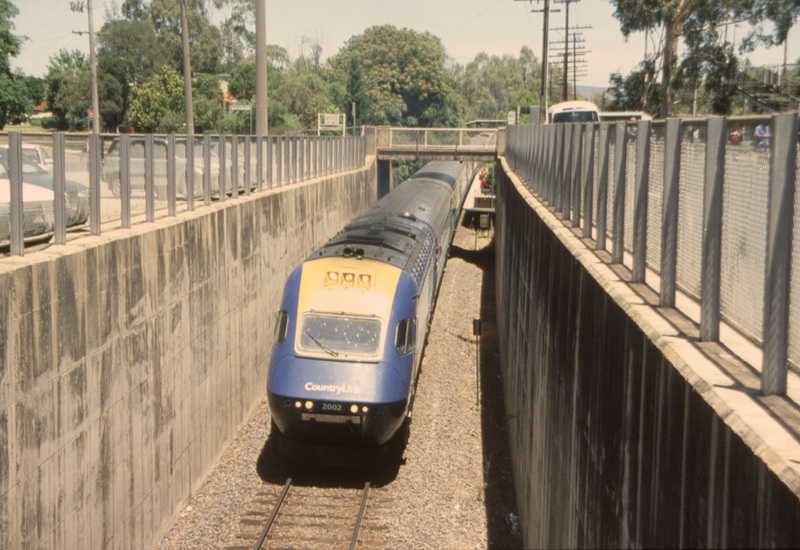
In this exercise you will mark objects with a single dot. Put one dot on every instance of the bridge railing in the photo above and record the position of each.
(438, 138)
(702, 206)
(58, 186)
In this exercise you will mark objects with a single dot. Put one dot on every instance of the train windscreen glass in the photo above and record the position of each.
(339, 334)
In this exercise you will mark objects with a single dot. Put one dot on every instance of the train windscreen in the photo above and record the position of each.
(339, 334)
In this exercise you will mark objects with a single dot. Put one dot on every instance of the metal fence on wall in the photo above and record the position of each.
(706, 204)
(102, 179)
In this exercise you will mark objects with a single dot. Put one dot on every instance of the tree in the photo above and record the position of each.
(633, 93)
(396, 76)
(68, 89)
(128, 53)
(37, 90)
(242, 83)
(205, 39)
(493, 85)
(158, 103)
(9, 43)
(15, 100)
(700, 23)
(207, 86)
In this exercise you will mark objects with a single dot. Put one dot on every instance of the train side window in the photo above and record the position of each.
(281, 325)
(404, 339)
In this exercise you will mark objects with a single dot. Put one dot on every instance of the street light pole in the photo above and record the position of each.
(262, 110)
(93, 62)
(187, 76)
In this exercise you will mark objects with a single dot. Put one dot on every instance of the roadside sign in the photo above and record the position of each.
(512, 117)
(90, 113)
(241, 107)
(331, 120)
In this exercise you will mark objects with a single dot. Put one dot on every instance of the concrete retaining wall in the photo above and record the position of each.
(620, 436)
(128, 361)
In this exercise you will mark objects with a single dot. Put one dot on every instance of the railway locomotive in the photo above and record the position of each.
(353, 320)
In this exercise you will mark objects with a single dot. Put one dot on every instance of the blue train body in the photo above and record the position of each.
(353, 321)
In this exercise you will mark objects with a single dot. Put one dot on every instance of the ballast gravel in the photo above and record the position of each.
(453, 487)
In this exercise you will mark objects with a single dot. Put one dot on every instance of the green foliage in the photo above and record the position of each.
(208, 114)
(157, 103)
(9, 43)
(15, 100)
(128, 52)
(398, 77)
(701, 24)
(69, 89)
(206, 86)
(242, 83)
(636, 92)
(304, 94)
(492, 86)
(205, 39)
(35, 86)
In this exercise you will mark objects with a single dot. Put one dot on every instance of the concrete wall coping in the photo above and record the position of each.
(736, 400)
(111, 232)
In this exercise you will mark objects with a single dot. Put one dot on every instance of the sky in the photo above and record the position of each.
(466, 28)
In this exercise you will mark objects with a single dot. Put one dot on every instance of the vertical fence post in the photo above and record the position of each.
(301, 158)
(207, 170)
(59, 205)
(189, 187)
(565, 182)
(669, 218)
(577, 172)
(588, 180)
(223, 172)
(640, 198)
(551, 165)
(279, 160)
(149, 183)
(247, 144)
(17, 229)
(260, 163)
(287, 160)
(620, 177)
(234, 166)
(778, 269)
(710, 261)
(269, 140)
(602, 186)
(95, 144)
(558, 180)
(171, 174)
(125, 179)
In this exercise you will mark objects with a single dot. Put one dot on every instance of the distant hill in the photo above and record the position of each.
(589, 91)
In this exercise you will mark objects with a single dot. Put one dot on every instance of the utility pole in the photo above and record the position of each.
(565, 86)
(78, 6)
(187, 76)
(262, 110)
(545, 63)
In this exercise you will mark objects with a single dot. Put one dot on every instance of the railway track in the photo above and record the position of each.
(299, 517)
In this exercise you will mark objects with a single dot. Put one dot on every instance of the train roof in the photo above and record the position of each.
(401, 229)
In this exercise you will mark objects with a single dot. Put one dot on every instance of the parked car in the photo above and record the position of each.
(111, 162)
(37, 211)
(38, 155)
(77, 211)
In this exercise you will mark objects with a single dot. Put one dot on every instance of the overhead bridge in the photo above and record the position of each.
(438, 143)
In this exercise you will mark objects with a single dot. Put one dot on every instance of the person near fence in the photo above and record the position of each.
(762, 135)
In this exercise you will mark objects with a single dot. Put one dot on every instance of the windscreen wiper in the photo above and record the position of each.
(322, 346)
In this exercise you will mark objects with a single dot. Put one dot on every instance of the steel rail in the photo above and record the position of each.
(360, 516)
(273, 515)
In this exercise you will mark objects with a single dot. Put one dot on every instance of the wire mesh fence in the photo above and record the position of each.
(746, 248)
(149, 176)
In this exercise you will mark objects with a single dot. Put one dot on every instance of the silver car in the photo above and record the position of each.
(111, 164)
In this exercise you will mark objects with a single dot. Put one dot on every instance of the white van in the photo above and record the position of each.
(573, 111)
